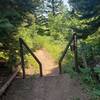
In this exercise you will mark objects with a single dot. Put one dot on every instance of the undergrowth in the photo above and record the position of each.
(86, 80)
(54, 47)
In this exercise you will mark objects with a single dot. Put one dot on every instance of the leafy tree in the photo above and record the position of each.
(85, 16)
(88, 14)
(60, 26)
(15, 14)
(54, 6)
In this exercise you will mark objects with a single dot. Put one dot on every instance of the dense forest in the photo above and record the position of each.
(50, 24)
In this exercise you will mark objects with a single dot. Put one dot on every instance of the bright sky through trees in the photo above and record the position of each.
(65, 1)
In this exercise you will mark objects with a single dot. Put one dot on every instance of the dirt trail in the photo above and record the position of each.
(59, 87)
(50, 67)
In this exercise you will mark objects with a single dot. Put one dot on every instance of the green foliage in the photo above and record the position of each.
(92, 86)
(54, 6)
(90, 48)
(88, 15)
(47, 42)
(31, 63)
(15, 19)
(68, 64)
(58, 26)
(86, 49)
(5, 25)
(54, 47)
(27, 33)
(87, 76)
(50, 28)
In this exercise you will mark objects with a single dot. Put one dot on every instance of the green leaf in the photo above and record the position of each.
(96, 92)
(97, 70)
(5, 24)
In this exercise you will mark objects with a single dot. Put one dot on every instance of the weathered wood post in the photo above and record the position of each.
(41, 73)
(60, 68)
(75, 52)
(22, 58)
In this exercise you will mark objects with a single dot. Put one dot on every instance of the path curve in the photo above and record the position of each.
(49, 65)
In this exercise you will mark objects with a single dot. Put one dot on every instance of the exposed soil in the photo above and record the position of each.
(50, 87)
(60, 87)
(50, 67)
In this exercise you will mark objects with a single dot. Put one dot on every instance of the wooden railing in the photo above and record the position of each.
(74, 41)
(9, 81)
(22, 43)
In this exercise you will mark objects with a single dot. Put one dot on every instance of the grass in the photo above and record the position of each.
(30, 62)
(92, 86)
(54, 47)
(87, 82)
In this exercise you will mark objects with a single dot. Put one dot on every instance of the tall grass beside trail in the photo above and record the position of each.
(54, 47)
(31, 64)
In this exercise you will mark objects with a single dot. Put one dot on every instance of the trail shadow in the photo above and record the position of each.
(53, 72)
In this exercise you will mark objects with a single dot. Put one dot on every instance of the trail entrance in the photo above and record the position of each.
(51, 87)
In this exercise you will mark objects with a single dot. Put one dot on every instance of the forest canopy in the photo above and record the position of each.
(88, 14)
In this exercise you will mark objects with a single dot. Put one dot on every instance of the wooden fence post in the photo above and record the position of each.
(22, 58)
(75, 52)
